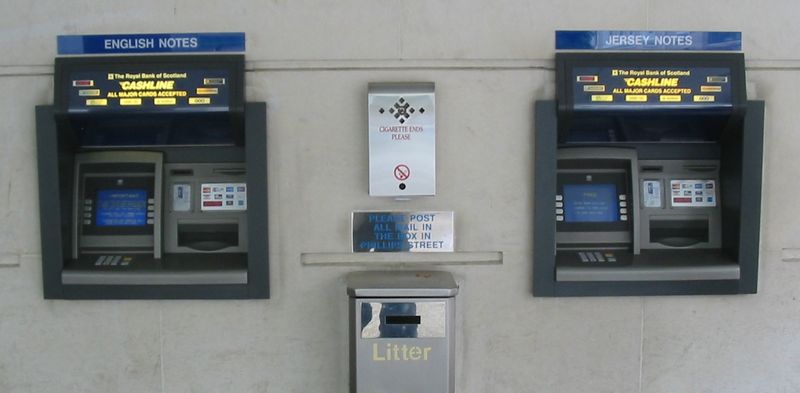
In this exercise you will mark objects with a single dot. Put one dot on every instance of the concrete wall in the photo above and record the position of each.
(311, 62)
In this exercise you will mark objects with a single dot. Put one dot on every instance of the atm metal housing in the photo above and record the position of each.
(231, 139)
(725, 258)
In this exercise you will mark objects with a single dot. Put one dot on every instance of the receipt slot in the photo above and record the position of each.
(152, 180)
(402, 330)
(648, 176)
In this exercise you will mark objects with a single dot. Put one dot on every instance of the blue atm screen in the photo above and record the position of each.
(590, 203)
(121, 208)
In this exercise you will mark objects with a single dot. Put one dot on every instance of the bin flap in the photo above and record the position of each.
(401, 284)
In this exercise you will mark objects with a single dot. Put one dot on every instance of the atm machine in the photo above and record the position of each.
(152, 180)
(647, 177)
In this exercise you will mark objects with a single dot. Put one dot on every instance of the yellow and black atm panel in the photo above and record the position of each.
(648, 176)
(152, 179)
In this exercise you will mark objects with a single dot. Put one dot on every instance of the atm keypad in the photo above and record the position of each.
(597, 256)
(113, 260)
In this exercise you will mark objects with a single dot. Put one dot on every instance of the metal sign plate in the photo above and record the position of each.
(386, 231)
(150, 43)
(402, 139)
(616, 40)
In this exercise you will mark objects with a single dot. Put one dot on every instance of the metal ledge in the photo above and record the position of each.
(84, 277)
(648, 273)
(10, 260)
(401, 258)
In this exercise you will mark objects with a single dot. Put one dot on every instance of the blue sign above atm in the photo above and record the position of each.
(150, 43)
(648, 40)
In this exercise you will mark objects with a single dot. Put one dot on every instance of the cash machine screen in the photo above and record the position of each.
(121, 208)
(590, 203)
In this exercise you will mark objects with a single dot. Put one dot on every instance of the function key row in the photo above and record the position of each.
(559, 208)
(151, 207)
(87, 211)
(112, 260)
(623, 207)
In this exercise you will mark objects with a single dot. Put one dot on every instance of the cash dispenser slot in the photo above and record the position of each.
(653, 195)
(145, 180)
(208, 236)
(680, 232)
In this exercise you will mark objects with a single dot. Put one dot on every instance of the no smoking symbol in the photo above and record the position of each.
(401, 172)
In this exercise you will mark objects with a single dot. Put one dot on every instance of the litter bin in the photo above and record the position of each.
(402, 331)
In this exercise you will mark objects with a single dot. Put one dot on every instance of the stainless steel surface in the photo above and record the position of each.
(132, 241)
(401, 284)
(565, 238)
(399, 231)
(129, 277)
(676, 171)
(197, 175)
(432, 319)
(391, 351)
(402, 139)
(649, 273)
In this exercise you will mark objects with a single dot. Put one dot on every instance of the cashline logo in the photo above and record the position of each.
(401, 110)
(402, 353)
(651, 82)
(147, 85)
